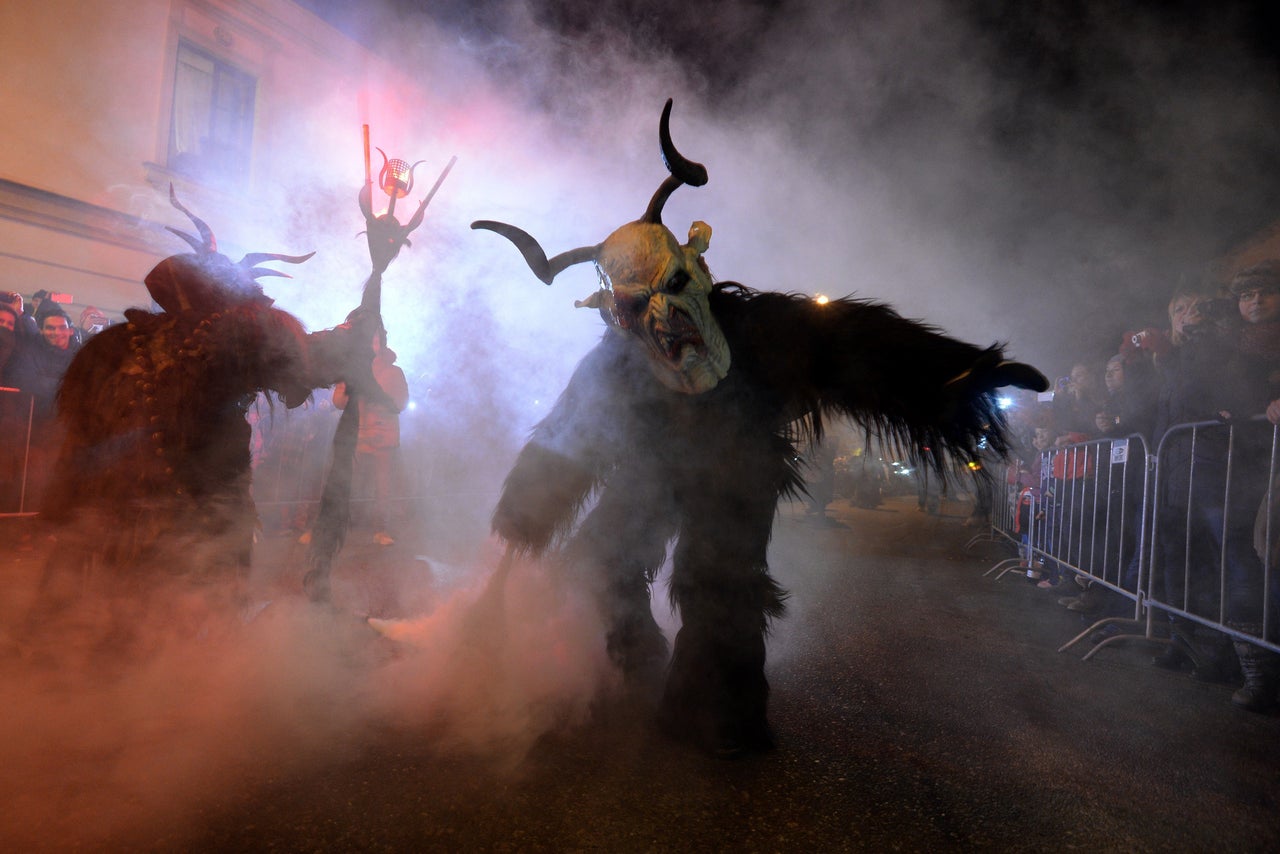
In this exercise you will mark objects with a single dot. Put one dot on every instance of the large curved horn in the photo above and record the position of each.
(534, 256)
(683, 170)
(209, 244)
(251, 261)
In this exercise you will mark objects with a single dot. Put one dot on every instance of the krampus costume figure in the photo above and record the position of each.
(154, 474)
(683, 422)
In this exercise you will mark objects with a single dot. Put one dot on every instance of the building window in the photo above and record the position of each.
(211, 132)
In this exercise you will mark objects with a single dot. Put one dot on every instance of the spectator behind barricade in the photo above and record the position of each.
(1068, 487)
(13, 426)
(92, 321)
(1190, 536)
(46, 306)
(379, 433)
(36, 366)
(1257, 291)
(8, 335)
(1130, 408)
(1132, 392)
(1077, 399)
(1035, 488)
(38, 298)
(26, 324)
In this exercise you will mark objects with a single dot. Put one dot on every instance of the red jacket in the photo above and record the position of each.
(379, 425)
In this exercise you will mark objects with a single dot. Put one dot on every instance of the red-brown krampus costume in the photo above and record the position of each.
(154, 474)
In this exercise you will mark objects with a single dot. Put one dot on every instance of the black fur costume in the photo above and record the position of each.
(706, 470)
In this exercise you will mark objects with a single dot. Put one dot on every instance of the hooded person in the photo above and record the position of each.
(378, 434)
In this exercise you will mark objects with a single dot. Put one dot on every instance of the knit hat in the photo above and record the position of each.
(1263, 276)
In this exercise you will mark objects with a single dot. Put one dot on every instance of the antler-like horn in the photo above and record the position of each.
(534, 256)
(208, 245)
(683, 170)
(251, 261)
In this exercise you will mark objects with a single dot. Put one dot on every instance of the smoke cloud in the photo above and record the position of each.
(1039, 174)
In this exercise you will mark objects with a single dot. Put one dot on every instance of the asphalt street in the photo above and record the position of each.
(917, 704)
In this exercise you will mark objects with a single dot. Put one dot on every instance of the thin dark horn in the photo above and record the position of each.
(195, 242)
(683, 170)
(691, 173)
(210, 244)
(534, 256)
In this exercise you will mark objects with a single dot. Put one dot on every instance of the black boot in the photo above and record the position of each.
(1261, 670)
(1213, 657)
(1174, 656)
(1177, 655)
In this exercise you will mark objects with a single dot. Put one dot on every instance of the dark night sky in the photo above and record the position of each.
(1096, 151)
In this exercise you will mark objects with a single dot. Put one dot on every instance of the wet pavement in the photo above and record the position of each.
(917, 704)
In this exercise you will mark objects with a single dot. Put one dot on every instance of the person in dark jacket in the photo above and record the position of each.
(1257, 364)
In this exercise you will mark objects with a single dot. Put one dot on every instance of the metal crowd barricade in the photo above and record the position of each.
(1214, 532)
(1086, 514)
(998, 525)
(1191, 532)
(1009, 523)
(1098, 526)
(17, 417)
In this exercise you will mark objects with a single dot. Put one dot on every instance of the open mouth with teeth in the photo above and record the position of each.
(678, 333)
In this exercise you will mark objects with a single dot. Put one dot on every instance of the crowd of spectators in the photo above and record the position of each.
(1217, 364)
(38, 340)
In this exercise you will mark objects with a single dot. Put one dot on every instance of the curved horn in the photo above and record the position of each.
(210, 245)
(534, 256)
(250, 262)
(382, 173)
(195, 242)
(253, 259)
(683, 170)
(409, 188)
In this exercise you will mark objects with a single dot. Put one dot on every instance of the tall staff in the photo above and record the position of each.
(386, 237)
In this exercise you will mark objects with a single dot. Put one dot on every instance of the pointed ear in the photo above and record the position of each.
(699, 236)
(601, 299)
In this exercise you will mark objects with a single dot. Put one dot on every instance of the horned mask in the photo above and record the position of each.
(207, 280)
(652, 288)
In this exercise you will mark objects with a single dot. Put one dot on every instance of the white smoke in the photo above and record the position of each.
(875, 149)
